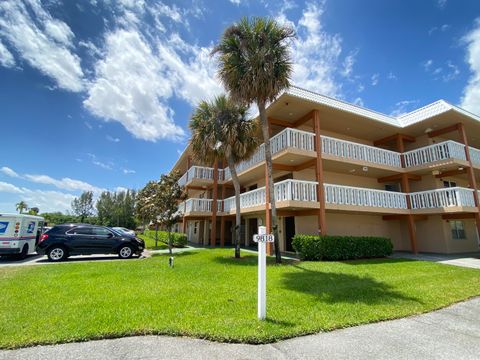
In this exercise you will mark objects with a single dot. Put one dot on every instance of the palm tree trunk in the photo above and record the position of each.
(271, 189)
(238, 219)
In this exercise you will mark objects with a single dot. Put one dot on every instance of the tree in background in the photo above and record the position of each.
(221, 130)
(83, 206)
(166, 199)
(33, 211)
(20, 206)
(255, 66)
(117, 208)
(145, 207)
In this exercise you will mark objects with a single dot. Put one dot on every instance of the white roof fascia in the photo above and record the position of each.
(413, 117)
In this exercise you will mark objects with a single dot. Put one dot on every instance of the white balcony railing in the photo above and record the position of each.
(441, 151)
(442, 198)
(294, 138)
(475, 156)
(350, 150)
(199, 205)
(286, 190)
(355, 196)
(196, 172)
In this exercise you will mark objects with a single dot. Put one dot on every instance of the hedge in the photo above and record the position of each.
(311, 247)
(178, 239)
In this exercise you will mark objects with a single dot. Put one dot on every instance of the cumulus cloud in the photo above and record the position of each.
(129, 88)
(471, 93)
(315, 52)
(47, 200)
(42, 41)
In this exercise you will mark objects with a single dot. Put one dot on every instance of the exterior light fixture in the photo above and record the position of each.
(365, 168)
(427, 130)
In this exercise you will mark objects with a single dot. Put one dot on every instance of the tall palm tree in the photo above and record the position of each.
(221, 130)
(22, 205)
(255, 67)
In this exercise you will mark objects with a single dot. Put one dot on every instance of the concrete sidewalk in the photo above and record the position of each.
(470, 260)
(450, 333)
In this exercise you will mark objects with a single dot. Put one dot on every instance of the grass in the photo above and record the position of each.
(150, 243)
(211, 295)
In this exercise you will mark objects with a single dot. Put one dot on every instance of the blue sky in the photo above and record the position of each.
(97, 94)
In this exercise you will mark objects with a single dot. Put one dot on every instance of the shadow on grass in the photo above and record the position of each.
(338, 287)
(249, 260)
(176, 254)
(375, 261)
(280, 322)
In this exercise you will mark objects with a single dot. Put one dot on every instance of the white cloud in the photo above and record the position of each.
(392, 76)
(129, 171)
(374, 79)
(88, 125)
(129, 88)
(112, 139)
(471, 93)
(48, 201)
(442, 28)
(44, 42)
(64, 183)
(427, 64)
(348, 64)
(9, 172)
(358, 101)
(6, 57)
(10, 188)
(450, 72)
(315, 52)
(403, 107)
(236, 2)
(441, 3)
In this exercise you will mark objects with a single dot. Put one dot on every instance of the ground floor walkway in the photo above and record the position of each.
(450, 333)
(470, 260)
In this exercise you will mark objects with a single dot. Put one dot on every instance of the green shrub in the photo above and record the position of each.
(311, 247)
(178, 239)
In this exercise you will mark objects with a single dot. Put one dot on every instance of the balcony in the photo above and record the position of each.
(288, 193)
(359, 152)
(447, 150)
(197, 174)
(287, 138)
(198, 207)
(447, 154)
(340, 197)
(454, 199)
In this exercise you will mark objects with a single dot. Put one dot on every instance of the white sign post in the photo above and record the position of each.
(262, 238)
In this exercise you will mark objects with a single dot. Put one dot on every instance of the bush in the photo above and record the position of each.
(312, 247)
(178, 239)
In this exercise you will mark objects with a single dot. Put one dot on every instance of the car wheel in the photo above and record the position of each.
(125, 252)
(57, 253)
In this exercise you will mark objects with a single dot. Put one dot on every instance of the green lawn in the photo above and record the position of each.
(210, 295)
(150, 243)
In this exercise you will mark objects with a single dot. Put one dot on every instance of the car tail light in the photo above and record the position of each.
(43, 237)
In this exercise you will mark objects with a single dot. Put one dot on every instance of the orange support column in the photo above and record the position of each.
(213, 233)
(322, 219)
(471, 175)
(222, 219)
(268, 213)
(412, 231)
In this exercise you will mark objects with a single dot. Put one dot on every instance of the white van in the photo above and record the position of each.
(19, 234)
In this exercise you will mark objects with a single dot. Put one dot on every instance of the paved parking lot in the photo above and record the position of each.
(42, 260)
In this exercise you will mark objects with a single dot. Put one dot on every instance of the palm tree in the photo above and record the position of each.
(22, 205)
(221, 130)
(255, 67)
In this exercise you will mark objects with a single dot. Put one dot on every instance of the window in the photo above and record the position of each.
(458, 229)
(392, 187)
(195, 227)
(448, 184)
(80, 231)
(98, 231)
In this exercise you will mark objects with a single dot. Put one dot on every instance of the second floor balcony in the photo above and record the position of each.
(446, 154)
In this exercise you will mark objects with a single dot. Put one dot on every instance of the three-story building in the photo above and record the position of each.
(340, 169)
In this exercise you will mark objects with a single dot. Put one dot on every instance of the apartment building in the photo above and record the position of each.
(340, 169)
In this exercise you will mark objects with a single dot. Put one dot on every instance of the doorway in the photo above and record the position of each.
(252, 230)
(289, 232)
